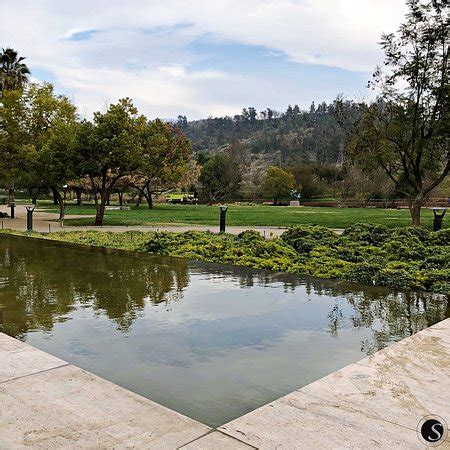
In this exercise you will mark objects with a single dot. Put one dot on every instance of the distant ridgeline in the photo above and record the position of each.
(316, 135)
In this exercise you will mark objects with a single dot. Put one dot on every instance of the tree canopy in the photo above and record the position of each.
(277, 183)
(406, 131)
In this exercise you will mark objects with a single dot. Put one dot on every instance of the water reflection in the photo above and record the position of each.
(210, 341)
(41, 282)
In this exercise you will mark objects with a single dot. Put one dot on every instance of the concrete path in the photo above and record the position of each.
(374, 403)
(44, 222)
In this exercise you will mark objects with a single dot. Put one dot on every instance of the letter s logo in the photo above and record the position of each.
(437, 432)
(432, 430)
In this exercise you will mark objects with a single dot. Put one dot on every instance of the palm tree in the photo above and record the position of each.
(13, 71)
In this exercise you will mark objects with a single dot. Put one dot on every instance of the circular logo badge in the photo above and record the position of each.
(432, 431)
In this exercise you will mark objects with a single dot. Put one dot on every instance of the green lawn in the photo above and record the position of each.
(279, 216)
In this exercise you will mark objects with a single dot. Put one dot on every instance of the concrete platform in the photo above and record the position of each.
(47, 403)
(374, 403)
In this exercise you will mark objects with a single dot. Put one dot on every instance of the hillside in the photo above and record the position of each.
(316, 135)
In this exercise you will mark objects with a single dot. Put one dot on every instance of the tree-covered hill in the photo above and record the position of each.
(316, 135)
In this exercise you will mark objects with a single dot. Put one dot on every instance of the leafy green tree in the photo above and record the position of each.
(14, 73)
(110, 148)
(14, 140)
(51, 120)
(406, 131)
(29, 120)
(306, 178)
(277, 183)
(164, 160)
(220, 176)
(58, 162)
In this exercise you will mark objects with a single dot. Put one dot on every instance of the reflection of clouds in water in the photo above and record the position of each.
(202, 340)
(75, 347)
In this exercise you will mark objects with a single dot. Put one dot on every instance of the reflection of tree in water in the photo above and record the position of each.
(390, 317)
(35, 293)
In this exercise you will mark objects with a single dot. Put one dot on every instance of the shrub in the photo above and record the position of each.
(365, 273)
(304, 238)
(367, 234)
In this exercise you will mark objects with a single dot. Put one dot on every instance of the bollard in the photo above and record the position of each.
(12, 205)
(439, 214)
(223, 217)
(30, 210)
(49, 229)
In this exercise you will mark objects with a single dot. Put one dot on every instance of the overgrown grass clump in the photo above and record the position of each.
(410, 258)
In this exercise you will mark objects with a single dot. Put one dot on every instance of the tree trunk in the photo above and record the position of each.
(108, 200)
(59, 201)
(149, 199)
(100, 211)
(11, 198)
(55, 196)
(139, 199)
(366, 201)
(78, 194)
(120, 198)
(415, 208)
(149, 196)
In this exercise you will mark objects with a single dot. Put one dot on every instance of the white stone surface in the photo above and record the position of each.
(217, 441)
(68, 407)
(18, 359)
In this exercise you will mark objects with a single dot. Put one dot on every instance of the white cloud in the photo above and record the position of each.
(140, 49)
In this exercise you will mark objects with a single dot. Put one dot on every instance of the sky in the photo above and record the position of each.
(201, 57)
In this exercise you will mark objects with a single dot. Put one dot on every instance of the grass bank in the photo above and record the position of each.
(258, 215)
(404, 258)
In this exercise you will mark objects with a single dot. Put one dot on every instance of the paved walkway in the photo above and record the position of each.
(374, 403)
(44, 222)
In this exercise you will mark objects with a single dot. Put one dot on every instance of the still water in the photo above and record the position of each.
(212, 342)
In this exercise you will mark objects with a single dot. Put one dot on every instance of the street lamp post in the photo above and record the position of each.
(439, 214)
(30, 210)
(12, 205)
(223, 215)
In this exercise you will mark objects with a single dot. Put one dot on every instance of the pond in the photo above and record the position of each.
(212, 342)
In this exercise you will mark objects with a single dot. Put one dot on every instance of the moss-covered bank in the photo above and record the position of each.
(413, 258)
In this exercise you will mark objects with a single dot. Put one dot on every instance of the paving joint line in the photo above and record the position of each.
(35, 373)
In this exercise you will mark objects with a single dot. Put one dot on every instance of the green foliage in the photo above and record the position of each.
(366, 234)
(14, 73)
(247, 249)
(220, 176)
(363, 254)
(405, 132)
(315, 135)
(277, 183)
(305, 238)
